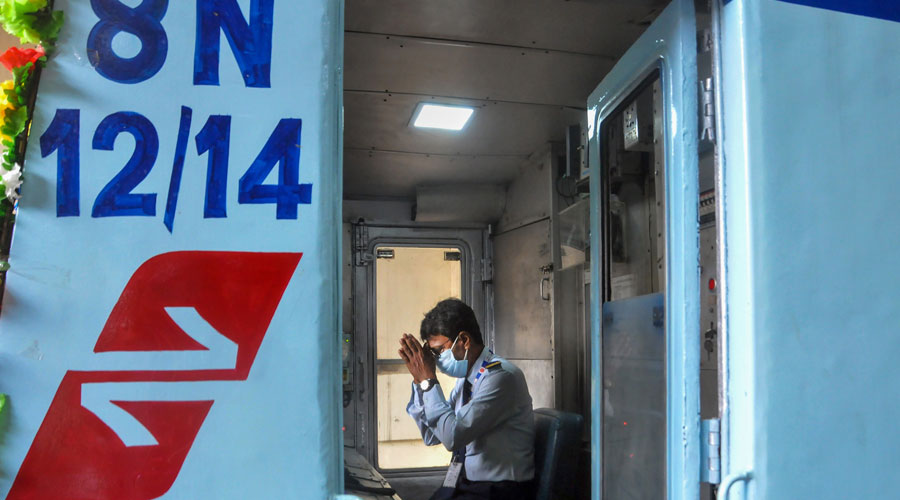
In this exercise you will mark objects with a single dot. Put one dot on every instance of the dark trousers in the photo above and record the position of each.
(486, 490)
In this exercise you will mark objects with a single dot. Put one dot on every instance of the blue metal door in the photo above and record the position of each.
(811, 95)
(645, 281)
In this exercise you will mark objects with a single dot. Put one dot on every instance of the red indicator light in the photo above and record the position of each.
(344, 429)
(625, 424)
(712, 284)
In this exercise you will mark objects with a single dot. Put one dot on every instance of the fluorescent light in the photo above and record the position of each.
(441, 116)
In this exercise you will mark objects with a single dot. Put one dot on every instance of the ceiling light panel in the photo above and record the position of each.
(441, 116)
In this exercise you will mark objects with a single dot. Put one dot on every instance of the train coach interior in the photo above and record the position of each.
(495, 209)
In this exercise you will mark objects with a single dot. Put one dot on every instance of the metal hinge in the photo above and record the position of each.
(710, 452)
(708, 110)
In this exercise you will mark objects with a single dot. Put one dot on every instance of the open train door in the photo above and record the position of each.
(642, 129)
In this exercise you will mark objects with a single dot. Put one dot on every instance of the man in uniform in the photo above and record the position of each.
(488, 422)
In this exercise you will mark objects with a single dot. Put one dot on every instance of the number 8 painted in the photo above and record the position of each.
(144, 22)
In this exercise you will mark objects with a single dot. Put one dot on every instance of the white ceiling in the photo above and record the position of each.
(526, 65)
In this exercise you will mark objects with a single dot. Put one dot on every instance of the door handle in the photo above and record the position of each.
(546, 270)
(729, 481)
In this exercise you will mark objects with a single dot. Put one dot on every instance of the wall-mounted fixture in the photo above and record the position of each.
(441, 116)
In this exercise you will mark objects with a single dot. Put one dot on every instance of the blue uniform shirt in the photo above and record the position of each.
(496, 426)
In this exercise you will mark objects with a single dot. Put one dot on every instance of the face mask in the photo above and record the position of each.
(452, 366)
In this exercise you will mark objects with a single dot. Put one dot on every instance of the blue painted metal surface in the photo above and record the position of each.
(669, 45)
(811, 99)
(194, 354)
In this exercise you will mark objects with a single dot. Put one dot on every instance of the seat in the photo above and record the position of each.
(556, 441)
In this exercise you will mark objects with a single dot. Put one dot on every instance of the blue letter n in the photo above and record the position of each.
(251, 42)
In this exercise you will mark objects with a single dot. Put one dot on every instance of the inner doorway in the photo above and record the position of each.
(409, 280)
(398, 274)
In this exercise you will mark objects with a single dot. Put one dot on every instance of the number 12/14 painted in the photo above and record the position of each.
(116, 199)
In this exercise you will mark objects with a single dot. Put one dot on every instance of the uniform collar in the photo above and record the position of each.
(483, 359)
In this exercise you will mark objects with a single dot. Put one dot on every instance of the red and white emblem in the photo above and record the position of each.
(123, 430)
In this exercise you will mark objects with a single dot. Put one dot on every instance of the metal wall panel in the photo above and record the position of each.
(397, 173)
(527, 199)
(570, 26)
(539, 376)
(522, 319)
(569, 347)
(382, 121)
(530, 76)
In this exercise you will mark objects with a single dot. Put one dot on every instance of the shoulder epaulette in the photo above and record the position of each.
(487, 365)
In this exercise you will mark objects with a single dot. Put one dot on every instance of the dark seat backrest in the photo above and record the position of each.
(556, 439)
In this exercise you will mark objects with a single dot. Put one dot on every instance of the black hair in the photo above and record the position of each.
(448, 318)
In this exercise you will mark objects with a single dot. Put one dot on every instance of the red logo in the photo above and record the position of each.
(123, 433)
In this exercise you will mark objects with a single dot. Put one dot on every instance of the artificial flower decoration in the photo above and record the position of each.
(12, 179)
(31, 21)
(16, 57)
(15, 112)
(4, 98)
(13, 123)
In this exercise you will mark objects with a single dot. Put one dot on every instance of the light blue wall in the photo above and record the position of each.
(273, 432)
(811, 142)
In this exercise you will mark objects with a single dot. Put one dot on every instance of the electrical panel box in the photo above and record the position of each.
(637, 124)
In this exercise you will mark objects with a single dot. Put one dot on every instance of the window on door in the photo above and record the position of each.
(634, 337)
(409, 281)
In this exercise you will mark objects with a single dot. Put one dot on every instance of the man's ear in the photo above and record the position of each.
(466, 339)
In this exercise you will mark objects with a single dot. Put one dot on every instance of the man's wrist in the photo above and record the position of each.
(424, 377)
(428, 384)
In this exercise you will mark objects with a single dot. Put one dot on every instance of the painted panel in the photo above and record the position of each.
(811, 99)
(171, 324)
(669, 44)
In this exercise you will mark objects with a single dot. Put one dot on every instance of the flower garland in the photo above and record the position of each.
(32, 21)
(14, 116)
